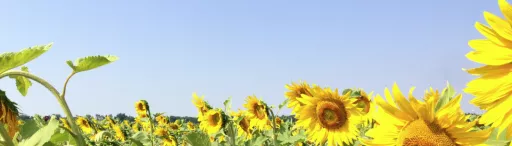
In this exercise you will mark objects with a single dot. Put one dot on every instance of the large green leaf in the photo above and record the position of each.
(446, 96)
(22, 83)
(198, 138)
(28, 129)
(12, 60)
(140, 139)
(90, 62)
(43, 135)
(61, 137)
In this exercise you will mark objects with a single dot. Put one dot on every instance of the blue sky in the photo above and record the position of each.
(170, 49)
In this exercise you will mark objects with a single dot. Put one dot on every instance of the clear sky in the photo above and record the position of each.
(170, 49)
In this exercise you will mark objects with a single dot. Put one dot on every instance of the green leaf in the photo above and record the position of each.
(91, 62)
(100, 136)
(140, 139)
(10, 60)
(22, 83)
(43, 135)
(446, 96)
(283, 103)
(496, 140)
(227, 104)
(62, 137)
(198, 138)
(28, 129)
(346, 91)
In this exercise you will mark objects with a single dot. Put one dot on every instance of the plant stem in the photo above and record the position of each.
(5, 136)
(66, 84)
(151, 124)
(79, 138)
(274, 127)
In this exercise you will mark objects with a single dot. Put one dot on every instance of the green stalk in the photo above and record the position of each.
(79, 138)
(274, 127)
(5, 136)
(151, 126)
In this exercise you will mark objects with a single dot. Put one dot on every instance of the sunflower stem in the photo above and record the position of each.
(5, 135)
(79, 138)
(151, 124)
(66, 84)
(273, 127)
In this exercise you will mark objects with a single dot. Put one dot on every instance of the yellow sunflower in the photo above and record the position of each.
(329, 116)
(244, 127)
(257, 113)
(170, 141)
(161, 119)
(295, 92)
(161, 131)
(119, 132)
(174, 126)
(212, 121)
(141, 108)
(365, 104)
(83, 123)
(492, 89)
(414, 122)
(201, 105)
(190, 126)
(65, 123)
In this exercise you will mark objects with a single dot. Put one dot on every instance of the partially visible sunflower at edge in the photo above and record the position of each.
(83, 123)
(329, 117)
(65, 123)
(244, 127)
(257, 113)
(213, 121)
(9, 114)
(492, 90)
(414, 122)
(201, 105)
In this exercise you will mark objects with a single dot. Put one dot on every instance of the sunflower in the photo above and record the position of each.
(295, 92)
(174, 126)
(9, 114)
(161, 131)
(244, 127)
(257, 113)
(190, 126)
(141, 107)
(201, 105)
(329, 116)
(65, 123)
(83, 123)
(212, 121)
(126, 123)
(492, 89)
(170, 141)
(161, 119)
(365, 105)
(119, 132)
(415, 122)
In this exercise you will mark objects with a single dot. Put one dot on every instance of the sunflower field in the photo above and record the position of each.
(321, 115)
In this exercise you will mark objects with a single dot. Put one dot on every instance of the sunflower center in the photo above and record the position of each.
(215, 118)
(364, 104)
(421, 133)
(331, 114)
(244, 123)
(259, 111)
